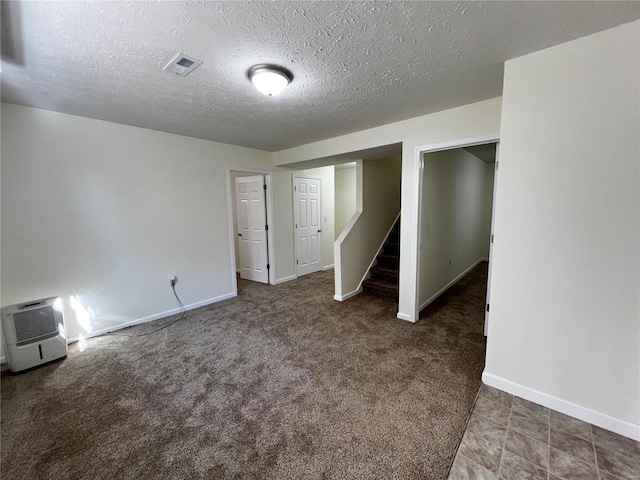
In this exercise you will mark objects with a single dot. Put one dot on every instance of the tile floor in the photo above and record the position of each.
(509, 438)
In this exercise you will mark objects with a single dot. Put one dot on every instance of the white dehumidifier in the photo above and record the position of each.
(33, 334)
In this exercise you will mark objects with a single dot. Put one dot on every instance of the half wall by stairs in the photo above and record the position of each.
(377, 208)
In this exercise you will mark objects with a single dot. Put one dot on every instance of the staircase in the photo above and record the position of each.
(383, 280)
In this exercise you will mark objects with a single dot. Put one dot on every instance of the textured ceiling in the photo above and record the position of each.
(356, 64)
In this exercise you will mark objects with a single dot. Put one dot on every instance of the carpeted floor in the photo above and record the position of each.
(281, 382)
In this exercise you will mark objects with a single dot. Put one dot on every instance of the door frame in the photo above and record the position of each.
(420, 151)
(255, 190)
(270, 235)
(491, 249)
(293, 204)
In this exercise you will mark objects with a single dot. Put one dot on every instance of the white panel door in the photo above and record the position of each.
(252, 228)
(307, 225)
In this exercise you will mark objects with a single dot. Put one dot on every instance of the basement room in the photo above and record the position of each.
(320, 240)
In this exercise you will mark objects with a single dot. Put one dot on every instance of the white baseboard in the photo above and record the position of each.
(404, 316)
(342, 298)
(151, 318)
(450, 284)
(3, 360)
(613, 424)
(285, 279)
(328, 267)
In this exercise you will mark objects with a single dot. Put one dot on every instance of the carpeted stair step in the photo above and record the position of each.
(392, 249)
(383, 279)
(381, 273)
(394, 237)
(389, 261)
(380, 288)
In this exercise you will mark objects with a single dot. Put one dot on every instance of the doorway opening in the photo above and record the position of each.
(457, 196)
(307, 228)
(250, 207)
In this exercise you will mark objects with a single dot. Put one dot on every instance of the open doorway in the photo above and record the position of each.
(250, 214)
(308, 222)
(361, 196)
(456, 205)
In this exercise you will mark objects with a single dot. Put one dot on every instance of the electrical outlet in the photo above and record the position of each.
(173, 280)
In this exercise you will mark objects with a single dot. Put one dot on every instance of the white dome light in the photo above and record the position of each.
(269, 79)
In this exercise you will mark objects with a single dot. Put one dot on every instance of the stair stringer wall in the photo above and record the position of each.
(377, 206)
(380, 250)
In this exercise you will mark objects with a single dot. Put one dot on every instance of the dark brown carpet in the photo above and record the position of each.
(281, 382)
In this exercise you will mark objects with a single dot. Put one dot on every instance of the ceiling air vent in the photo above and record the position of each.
(182, 64)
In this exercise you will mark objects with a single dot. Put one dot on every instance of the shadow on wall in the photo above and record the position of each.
(345, 195)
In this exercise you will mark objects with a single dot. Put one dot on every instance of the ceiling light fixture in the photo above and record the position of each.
(269, 79)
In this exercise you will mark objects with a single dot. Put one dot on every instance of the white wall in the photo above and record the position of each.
(377, 207)
(565, 313)
(454, 221)
(106, 212)
(345, 197)
(469, 121)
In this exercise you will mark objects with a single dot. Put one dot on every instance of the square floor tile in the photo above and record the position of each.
(526, 447)
(492, 410)
(619, 465)
(481, 451)
(538, 444)
(465, 469)
(576, 446)
(487, 429)
(531, 409)
(615, 442)
(498, 396)
(560, 421)
(530, 426)
(570, 468)
(514, 467)
(608, 476)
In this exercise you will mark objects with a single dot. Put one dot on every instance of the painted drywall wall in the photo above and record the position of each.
(454, 232)
(106, 212)
(565, 317)
(233, 175)
(377, 206)
(345, 197)
(283, 218)
(481, 119)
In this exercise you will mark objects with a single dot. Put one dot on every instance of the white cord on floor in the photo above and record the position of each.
(182, 313)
